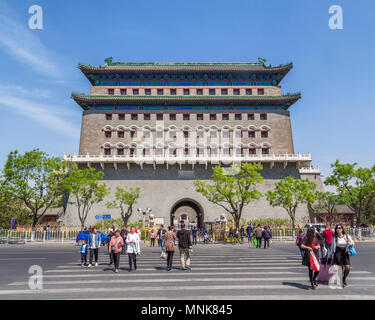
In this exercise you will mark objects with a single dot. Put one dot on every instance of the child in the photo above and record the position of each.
(205, 237)
(83, 252)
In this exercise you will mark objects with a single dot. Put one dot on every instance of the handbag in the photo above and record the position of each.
(352, 251)
(314, 263)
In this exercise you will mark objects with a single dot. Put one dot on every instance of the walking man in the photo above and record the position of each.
(266, 236)
(249, 231)
(124, 234)
(194, 232)
(258, 235)
(184, 244)
(94, 245)
(328, 235)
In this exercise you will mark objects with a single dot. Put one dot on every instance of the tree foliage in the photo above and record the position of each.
(126, 198)
(36, 179)
(85, 189)
(232, 189)
(324, 201)
(356, 187)
(289, 193)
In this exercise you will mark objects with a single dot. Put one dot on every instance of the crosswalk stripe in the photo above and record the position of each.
(247, 279)
(149, 288)
(200, 268)
(179, 273)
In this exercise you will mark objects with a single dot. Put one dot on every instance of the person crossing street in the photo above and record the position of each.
(184, 245)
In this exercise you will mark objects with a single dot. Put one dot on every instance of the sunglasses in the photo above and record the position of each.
(338, 228)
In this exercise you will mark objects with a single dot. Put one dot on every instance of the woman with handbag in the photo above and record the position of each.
(311, 246)
(342, 245)
(115, 248)
(170, 246)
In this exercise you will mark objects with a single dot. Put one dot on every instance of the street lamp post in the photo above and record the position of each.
(144, 212)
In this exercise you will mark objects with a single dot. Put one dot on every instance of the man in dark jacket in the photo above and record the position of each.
(266, 236)
(124, 234)
(249, 231)
(184, 244)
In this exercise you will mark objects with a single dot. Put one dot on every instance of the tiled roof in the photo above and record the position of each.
(185, 67)
(82, 98)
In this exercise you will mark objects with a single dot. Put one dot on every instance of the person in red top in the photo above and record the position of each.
(310, 243)
(328, 236)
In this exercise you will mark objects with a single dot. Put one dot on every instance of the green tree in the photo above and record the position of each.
(355, 186)
(10, 208)
(232, 189)
(86, 190)
(289, 193)
(324, 201)
(125, 200)
(36, 179)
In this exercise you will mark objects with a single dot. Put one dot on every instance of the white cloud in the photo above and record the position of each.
(40, 113)
(23, 45)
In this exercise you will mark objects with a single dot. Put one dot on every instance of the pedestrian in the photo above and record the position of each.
(341, 243)
(115, 248)
(107, 241)
(184, 245)
(48, 232)
(133, 247)
(169, 245)
(152, 238)
(83, 252)
(299, 242)
(258, 235)
(322, 251)
(310, 244)
(205, 236)
(328, 235)
(242, 233)
(160, 234)
(94, 245)
(194, 232)
(124, 234)
(266, 234)
(249, 231)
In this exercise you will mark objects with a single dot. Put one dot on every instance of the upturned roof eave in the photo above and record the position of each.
(82, 98)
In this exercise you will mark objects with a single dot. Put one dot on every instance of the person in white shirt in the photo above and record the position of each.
(133, 248)
(341, 243)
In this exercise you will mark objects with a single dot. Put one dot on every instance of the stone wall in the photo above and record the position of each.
(94, 123)
(162, 189)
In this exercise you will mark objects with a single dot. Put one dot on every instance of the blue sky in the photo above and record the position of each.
(333, 69)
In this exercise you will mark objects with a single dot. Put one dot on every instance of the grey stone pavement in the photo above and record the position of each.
(224, 272)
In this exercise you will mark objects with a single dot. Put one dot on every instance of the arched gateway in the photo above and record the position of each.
(187, 209)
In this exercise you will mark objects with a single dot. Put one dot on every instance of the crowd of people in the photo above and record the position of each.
(331, 247)
(124, 241)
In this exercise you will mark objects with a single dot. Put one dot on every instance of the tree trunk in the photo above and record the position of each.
(35, 220)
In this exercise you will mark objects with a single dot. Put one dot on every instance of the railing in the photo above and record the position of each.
(10, 236)
(191, 157)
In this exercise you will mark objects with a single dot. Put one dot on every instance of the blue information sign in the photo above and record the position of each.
(103, 217)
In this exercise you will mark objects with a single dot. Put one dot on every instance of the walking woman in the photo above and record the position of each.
(341, 243)
(310, 243)
(133, 244)
(169, 244)
(115, 248)
(152, 238)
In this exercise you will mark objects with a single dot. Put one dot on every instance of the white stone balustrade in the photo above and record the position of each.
(301, 160)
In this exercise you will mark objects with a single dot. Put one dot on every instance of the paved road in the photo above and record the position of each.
(218, 272)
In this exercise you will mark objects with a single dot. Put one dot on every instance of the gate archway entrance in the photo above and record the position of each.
(187, 210)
